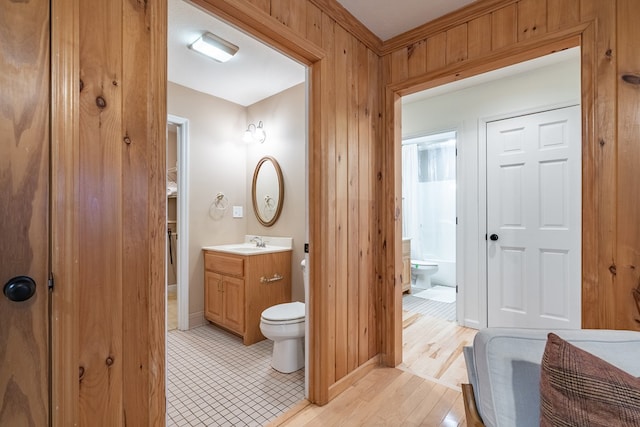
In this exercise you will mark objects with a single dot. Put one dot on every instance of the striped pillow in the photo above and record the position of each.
(580, 389)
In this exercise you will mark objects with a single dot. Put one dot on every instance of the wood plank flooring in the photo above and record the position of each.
(423, 391)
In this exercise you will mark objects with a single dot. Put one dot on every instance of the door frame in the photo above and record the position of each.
(182, 217)
(582, 36)
(482, 195)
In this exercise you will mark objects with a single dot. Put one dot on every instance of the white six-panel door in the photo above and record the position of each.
(534, 220)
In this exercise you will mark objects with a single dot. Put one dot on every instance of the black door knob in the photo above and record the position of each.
(494, 237)
(20, 288)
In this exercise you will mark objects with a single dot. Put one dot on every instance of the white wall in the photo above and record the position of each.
(220, 162)
(464, 111)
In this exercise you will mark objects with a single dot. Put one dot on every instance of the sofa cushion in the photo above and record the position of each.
(578, 388)
(506, 362)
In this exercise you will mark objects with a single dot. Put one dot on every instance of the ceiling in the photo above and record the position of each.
(257, 71)
(387, 19)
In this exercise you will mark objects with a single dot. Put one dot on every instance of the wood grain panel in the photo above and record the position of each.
(417, 58)
(100, 213)
(292, 13)
(479, 36)
(628, 186)
(341, 16)
(564, 13)
(599, 170)
(436, 51)
(24, 206)
(354, 227)
(456, 44)
(504, 27)
(314, 24)
(64, 145)
(399, 65)
(327, 338)
(342, 51)
(532, 18)
(136, 226)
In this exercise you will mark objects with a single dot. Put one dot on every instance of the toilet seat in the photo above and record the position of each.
(284, 314)
(416, 263)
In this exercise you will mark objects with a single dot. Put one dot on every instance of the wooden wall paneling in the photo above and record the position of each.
(599, 195)
(64, 215)
(456, 44)
(157, 122)
(314, 24)
(417, 58)
(375, 147)
(24, 209)
(292, 13)
(471, 12)
(436, 51)
(329, 280)
(532, 18)
(354, 227)
(100, 215)
(361, 160)
(628, 186)
(142, 144)
(341, 201)
(342, 17)
(136, 283)
(479, 37)
(388, 194)
(565, 13)
(504, 27)
(399, 65)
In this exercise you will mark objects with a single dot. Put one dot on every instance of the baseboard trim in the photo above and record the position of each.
(352, 377)
(196, 319)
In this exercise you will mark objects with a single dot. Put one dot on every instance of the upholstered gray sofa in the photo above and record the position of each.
(503, 366)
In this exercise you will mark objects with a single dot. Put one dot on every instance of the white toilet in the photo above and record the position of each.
(422, 271)
(284, 324)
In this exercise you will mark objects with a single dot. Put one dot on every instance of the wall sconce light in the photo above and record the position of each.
(254, 133)
(214, 47)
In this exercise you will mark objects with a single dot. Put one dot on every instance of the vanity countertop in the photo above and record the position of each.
(272, 244)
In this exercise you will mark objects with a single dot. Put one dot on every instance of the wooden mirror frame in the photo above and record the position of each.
(256, 210)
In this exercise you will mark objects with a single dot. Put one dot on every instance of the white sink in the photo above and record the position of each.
(272, 244)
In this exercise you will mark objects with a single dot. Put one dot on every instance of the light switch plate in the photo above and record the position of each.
(237, 211)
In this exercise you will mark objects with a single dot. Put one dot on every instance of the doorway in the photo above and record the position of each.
(214, 205)
(545, 82)
(429, 223)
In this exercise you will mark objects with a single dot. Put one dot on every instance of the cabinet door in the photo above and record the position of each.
(213, 307)
(234, 304)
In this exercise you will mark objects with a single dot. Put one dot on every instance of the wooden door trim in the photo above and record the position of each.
(581, 35)
(64, 169)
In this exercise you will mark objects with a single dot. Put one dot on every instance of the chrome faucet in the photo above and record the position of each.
(259, 242)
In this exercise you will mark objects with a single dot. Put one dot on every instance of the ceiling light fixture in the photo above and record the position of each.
(214, 47)
(254, 133)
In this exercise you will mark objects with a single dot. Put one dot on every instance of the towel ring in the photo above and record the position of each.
(221, 202)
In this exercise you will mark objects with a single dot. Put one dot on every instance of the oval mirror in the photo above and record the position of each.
(267, 191)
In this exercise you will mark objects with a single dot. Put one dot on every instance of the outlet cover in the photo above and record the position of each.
(237, 211)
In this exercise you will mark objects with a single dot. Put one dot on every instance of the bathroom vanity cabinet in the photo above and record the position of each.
(406, 265)
(238, 288)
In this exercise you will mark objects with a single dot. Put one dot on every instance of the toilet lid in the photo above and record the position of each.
(284, 312)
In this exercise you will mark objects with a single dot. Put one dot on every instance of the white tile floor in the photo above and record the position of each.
(215, 380)
(440, 310)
